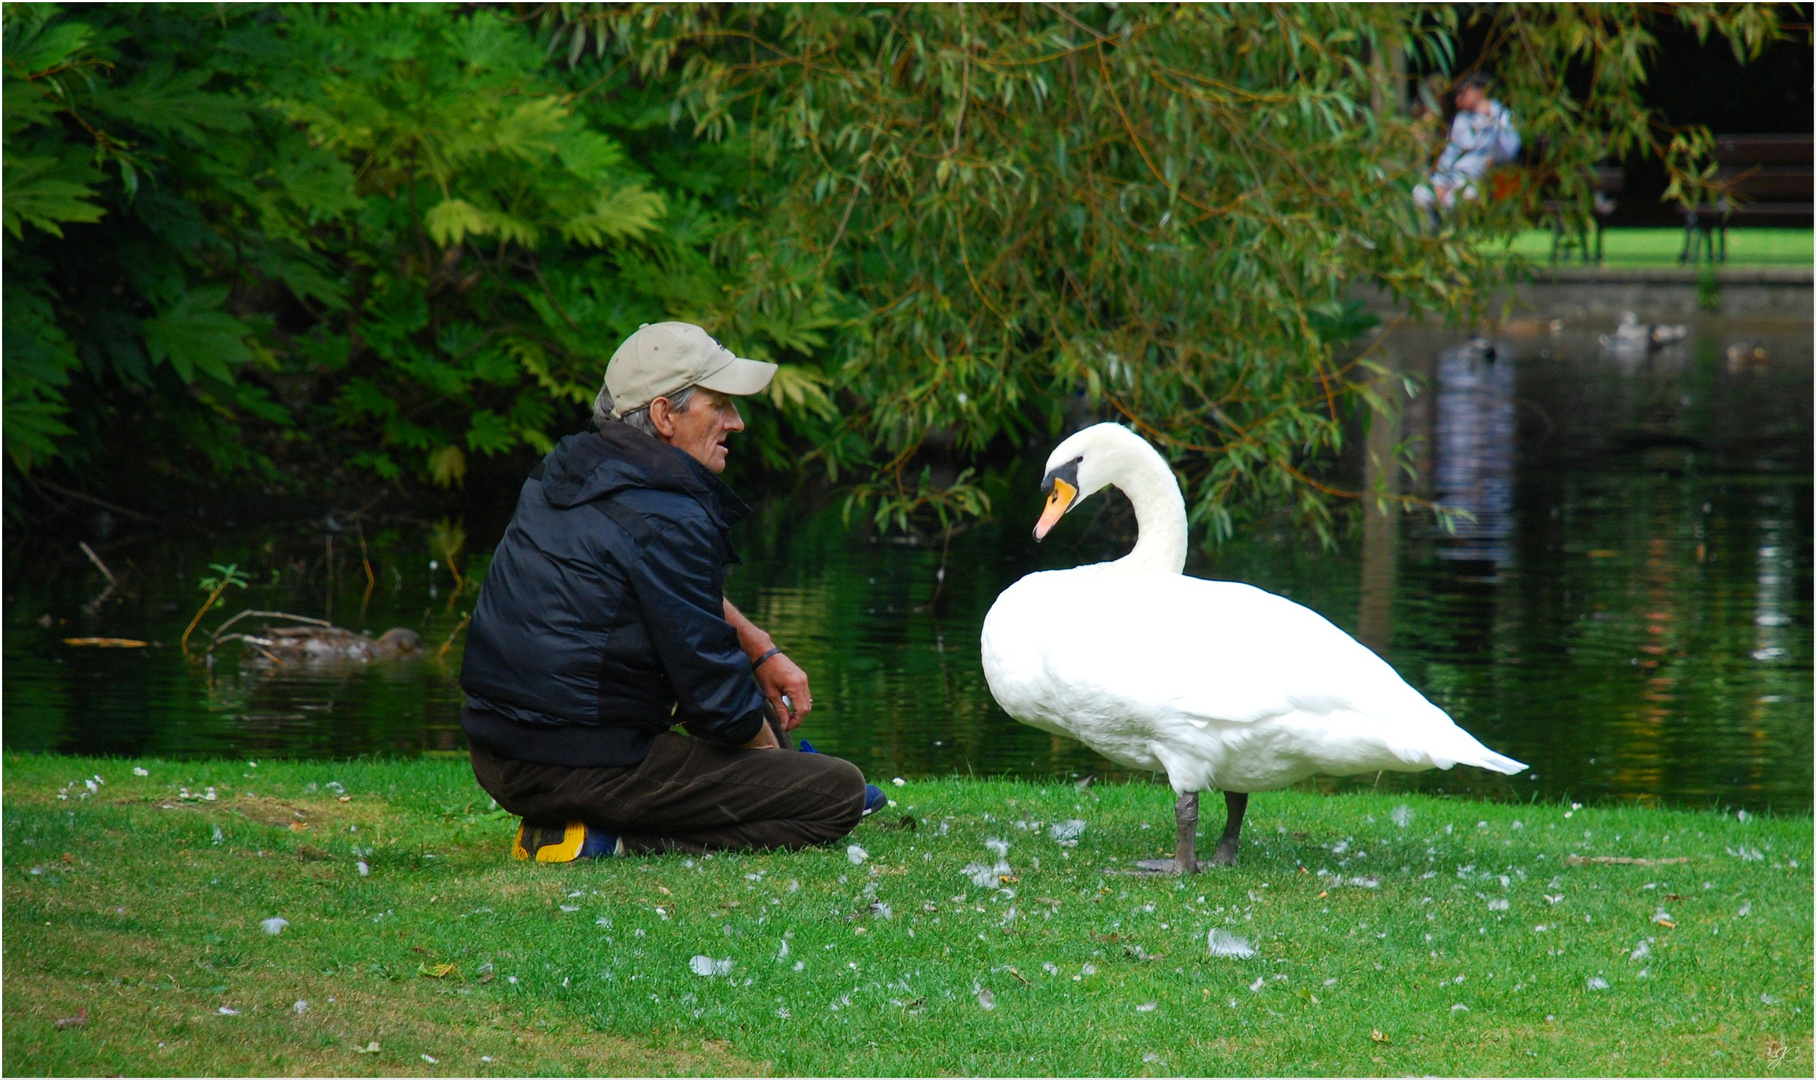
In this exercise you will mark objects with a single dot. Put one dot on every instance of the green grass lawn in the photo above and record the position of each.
(1659, 248)
(1391, 935)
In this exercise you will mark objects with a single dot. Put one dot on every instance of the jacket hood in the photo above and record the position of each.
(594, 465)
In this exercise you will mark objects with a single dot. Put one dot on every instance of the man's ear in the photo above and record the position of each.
(662, 416)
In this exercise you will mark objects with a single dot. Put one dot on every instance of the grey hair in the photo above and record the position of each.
(637, 418)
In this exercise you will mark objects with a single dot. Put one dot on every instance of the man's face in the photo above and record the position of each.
(1470, 99)
(701, 429)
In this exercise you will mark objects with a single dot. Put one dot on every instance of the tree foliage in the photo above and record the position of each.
(325, 240)
(308, 242)
(1163, 210)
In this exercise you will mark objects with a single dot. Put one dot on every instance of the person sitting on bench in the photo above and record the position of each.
(1481, 136)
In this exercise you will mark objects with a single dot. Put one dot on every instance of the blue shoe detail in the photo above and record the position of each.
(805, 747)
(874, 799)
(598, 845)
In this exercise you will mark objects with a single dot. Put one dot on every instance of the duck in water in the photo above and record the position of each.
(332, 645)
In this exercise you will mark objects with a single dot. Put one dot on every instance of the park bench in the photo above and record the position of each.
(1530, 170)
(1762, 180)
(1586, 237)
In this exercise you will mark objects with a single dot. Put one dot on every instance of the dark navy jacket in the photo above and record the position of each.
(601, 621)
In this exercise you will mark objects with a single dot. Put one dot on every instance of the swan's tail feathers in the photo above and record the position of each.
(1488, 759)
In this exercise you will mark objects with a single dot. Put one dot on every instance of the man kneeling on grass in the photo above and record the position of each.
(602, 623)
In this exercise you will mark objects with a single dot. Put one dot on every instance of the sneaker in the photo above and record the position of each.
(564, 843)
(874, 799)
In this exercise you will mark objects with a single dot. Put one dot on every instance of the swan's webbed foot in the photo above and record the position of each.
(1236, 803)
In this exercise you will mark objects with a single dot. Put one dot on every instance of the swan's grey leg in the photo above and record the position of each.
(1185, 856)
(1237, 804)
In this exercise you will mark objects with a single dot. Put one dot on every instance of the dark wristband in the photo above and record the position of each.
(761, 660)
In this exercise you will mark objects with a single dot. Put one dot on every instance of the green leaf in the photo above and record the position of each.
(167, 100)
(48, 192)
(198, 339)
(34, 47)
(489, 433)
(616, 214)
(453, 220)
(447, 466)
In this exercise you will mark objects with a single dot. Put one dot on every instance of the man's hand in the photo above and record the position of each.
(779, 675)
(765, 739)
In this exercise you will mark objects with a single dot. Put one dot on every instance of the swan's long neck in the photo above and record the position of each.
(1159, 516)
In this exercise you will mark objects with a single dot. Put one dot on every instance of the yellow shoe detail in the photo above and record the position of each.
(549, 845)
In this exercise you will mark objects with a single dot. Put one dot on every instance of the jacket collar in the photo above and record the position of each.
(594, 465)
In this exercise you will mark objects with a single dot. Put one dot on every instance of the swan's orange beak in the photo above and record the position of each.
(1057, 504)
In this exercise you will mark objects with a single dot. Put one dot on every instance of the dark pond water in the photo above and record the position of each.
(1629, 609)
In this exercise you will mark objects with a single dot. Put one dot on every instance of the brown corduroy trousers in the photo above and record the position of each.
(689, 795)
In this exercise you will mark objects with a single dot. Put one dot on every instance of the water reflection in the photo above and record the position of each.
(1771, 579)
(1381, 518)
(1474, 452)
(1629, 611)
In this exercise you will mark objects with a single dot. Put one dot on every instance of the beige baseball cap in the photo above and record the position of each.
(664, 358)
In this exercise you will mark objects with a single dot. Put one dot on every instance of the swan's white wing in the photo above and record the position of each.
(1156, 669)
(1203, 650)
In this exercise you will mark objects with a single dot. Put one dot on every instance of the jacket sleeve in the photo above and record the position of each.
(1507, 137)
(684, 612)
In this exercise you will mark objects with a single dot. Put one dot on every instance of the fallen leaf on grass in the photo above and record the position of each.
(64, 1023)
(369, 1048)
(1022, 978)
(439, 971)
(1378, 1037)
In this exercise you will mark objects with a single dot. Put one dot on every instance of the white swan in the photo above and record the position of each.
(1219, 684)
